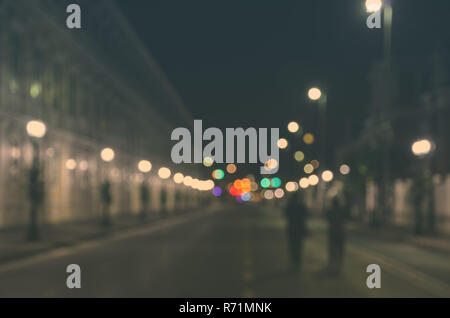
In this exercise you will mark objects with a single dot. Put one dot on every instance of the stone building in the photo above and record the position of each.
(93, 88)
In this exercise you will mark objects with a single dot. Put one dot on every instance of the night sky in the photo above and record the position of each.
(249, 63)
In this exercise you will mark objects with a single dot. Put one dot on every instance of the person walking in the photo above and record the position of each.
(336, 237)
(105, 192)
(296, 214)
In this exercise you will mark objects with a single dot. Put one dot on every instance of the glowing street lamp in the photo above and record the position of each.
(282, 143)
(313, 180)
(164, 173)
(178, 178)
(314, 94)
(327, 176)
(187, 181)
(304, 183)
(421, 148)
(293, 127)
(36, 129)
(373, 5)
(145, 166)
(107, 154)
(71, 164)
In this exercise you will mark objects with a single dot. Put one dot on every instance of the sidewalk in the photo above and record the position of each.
(14, 246)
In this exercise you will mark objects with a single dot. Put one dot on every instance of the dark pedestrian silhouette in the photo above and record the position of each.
(164, 212)
(336, 236)
(36, 193)
(106, 200)
(145, 200)
(296, 214)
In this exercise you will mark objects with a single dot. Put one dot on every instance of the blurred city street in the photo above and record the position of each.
(224, 148)
(232, 252)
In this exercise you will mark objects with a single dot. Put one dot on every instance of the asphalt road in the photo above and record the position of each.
(236, 252)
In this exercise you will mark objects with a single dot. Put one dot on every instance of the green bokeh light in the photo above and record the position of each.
(265, 183)
(276, 182)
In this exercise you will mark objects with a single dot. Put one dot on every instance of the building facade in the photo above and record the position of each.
(93, 88)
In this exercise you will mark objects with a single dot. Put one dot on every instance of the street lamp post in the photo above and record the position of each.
(377, 5)
(386, 68)
(388, 14)
(144, 166)
(315, 94)
(164, 173)
(107, 155)
(423, 149)
(36, 130)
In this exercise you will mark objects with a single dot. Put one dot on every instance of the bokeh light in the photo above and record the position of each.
(231, 168)
(218, 174)
(234, 191)
(421, 147)
(36, 128)
(107, 154)
(246, 196)
(308, 168)
(304, 183)
(293, 127)
(275, 182)
(279, 193)
(299, 156)
(207, 185)
(144, 166)
(195, 184)
(314, 94)
(35, 90)
(291, 186)
(241, 186)
(208, 161)
(71, 164)
(246, 185)
(282, 143)
(83, 165)
(315, 164)
(313, 180)
(268, 194)
(178, 178)
(187, 181)
(308, 138)
(344, 169)
(164, 173)
(327, 176)
(217, 191)
(265, 183)
(373, 5)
